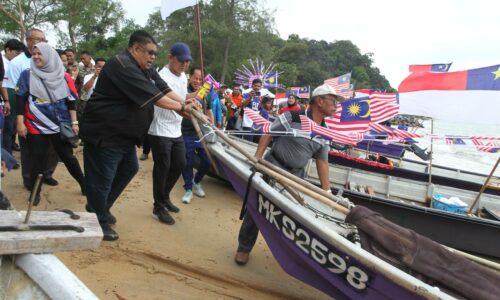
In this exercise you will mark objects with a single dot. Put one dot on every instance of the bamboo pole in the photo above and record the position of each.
(285, 180)
(484, 185)
(487, 263)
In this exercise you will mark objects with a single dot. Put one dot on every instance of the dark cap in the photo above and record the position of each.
(181, 52)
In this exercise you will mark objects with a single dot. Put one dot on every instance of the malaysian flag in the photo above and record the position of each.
(257, 119)
(270, 80)
(450, 140)
(300, 91)
(311, 126)
(369, 107)
(342, 85)
(489, 146)
(384, 106)
(394, 134)
(430, 68)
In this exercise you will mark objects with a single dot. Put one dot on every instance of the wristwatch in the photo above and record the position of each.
(183, 106)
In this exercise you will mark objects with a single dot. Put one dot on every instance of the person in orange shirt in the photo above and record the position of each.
(233, 107)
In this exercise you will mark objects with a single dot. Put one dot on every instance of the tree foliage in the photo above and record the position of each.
(17, 16)
(233, 31)
(87, 20)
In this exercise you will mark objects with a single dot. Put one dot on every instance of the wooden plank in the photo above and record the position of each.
(17, 242)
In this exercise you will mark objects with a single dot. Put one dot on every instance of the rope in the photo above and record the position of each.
(247, 192)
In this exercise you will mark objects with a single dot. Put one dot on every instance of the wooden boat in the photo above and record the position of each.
(403, 201)
(310, 238)
(419, 171)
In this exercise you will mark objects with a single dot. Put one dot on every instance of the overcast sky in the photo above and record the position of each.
(398, 33)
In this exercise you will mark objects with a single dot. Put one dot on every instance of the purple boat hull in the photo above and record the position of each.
(306, 256)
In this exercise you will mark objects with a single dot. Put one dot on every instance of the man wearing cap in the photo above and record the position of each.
(165, 135)
(292, 153)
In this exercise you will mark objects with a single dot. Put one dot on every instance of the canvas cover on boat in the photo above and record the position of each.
(405, 248)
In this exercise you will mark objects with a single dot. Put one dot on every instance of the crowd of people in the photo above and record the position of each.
(114, 106)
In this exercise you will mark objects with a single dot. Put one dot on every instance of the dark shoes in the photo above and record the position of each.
(162, 215)
(144, 156)
(241, 258)
(109, 233)
(16, 166)
(171, 207)
(50, 181)
(111, 218)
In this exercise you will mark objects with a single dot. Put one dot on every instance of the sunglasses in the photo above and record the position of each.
(149, 52)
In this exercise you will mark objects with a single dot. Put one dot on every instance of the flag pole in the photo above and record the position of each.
(200, 45)
(430, 161)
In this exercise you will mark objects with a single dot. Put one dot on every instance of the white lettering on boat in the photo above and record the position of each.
(313, 247)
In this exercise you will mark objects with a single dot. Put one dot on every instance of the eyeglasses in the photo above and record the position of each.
(149, 52)
(333, 99)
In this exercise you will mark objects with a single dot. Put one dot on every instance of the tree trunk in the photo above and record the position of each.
(72, 38)
(228, 42)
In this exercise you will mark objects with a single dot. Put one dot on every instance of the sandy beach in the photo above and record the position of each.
(192, 259)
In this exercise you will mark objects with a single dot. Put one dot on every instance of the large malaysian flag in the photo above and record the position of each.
(342, 85)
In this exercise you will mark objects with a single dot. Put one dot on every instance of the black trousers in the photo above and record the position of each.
(249, 230)
(39, 147)
(27, 158)
(169, 157)
(108, 171)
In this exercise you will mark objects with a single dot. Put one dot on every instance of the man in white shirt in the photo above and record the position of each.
(90, 80)
(12, 49)
(165, 135)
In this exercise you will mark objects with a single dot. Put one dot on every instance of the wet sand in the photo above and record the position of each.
(192, 259)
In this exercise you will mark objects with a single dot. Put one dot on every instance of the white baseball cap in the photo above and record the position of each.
(325, 89)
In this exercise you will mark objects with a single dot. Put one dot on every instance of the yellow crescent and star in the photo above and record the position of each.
(355, 109)
(496, 73)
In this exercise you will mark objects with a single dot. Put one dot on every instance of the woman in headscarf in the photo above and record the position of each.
(292, 104)
(46, 97)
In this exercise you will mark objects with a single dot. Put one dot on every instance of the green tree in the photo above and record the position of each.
(232, 32)
(87, 19)
(107, 47)
(17, 16)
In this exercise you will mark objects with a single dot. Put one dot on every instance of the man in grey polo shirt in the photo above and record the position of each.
(292, 153)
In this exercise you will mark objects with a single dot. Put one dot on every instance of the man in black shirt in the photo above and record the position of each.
(116, 119)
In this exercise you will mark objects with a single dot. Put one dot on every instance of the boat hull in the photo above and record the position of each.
(309, 252)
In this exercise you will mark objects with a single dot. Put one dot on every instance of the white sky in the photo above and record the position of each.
(399, 33)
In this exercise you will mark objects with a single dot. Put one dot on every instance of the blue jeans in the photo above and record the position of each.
(109, 170)
(193, 146)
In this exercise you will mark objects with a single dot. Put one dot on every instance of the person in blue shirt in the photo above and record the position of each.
(216, 107)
